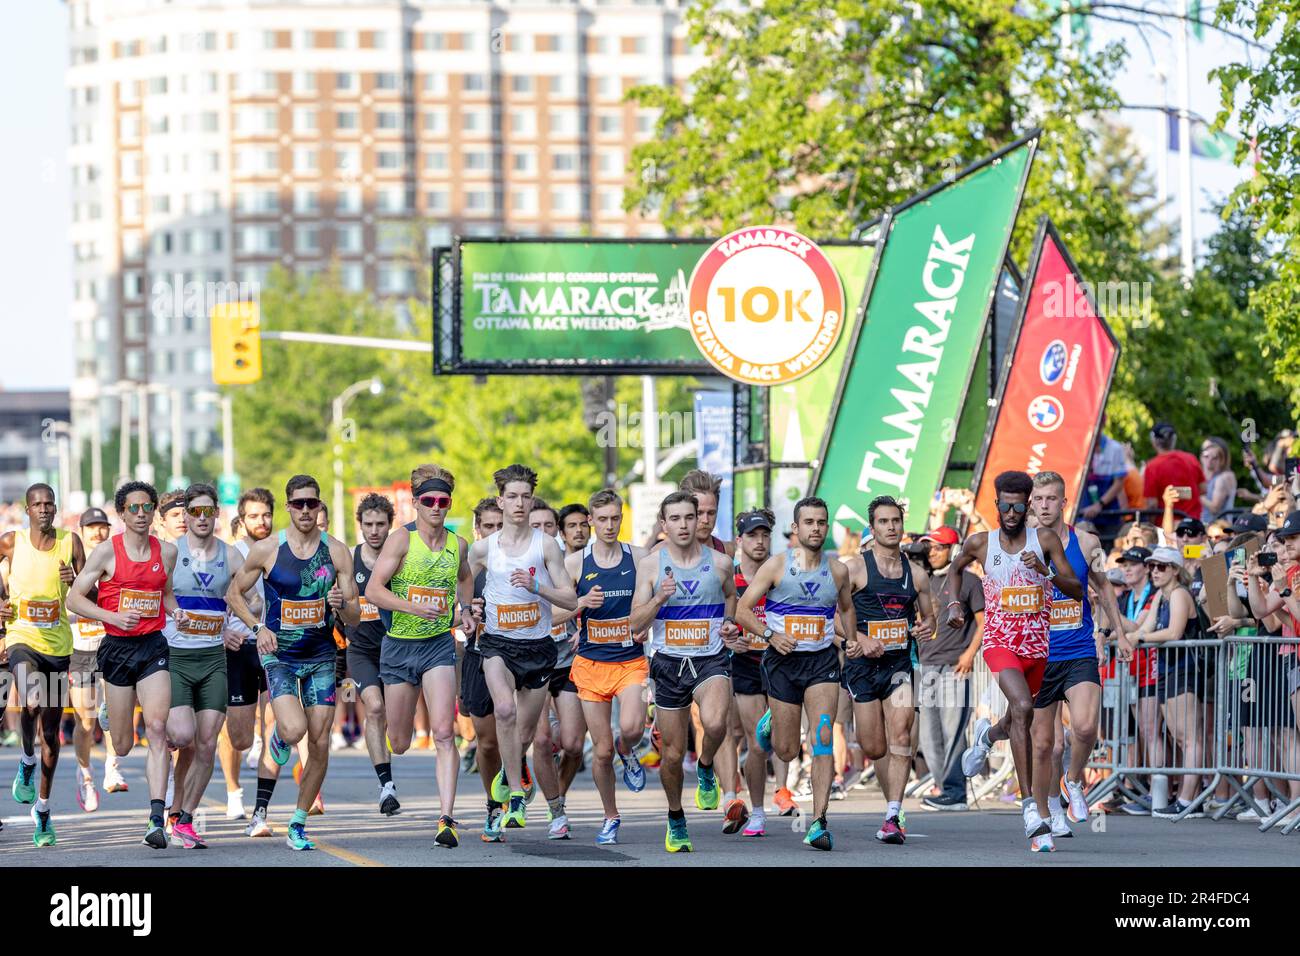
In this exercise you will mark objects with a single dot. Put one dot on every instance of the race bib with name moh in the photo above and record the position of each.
(1021, 600)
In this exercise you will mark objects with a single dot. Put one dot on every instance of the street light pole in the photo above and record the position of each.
(375, 387)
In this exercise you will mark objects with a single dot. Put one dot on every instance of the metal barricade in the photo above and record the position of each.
(987, 701)
(1260, 703)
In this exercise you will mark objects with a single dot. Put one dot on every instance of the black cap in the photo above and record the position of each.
(1162, 430)
(93, 516)
(752, 522)
(1249, 522)
(1192, 526)
(1290, 527)
(1138, 554)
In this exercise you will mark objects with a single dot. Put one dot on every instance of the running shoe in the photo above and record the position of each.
(184, 836)
(1172, 811)
(447, 832)
(1035, 825)
(44, 834)
(757, 825)
(735, 816)
(633, 773)
(975, 756)
(608, 835)
(297, 773)
(1140, 807)
(891, 831)
(317, 806)
(784, 801)
(945, 803)
(338, 741)
(515, 817)
(1042, 844)
(1252, 815)
(706, 788)
(388, 804)
(281, 752)
(9, 738)
(258, 827)
(1077, 804)
(170, 800)
(24, 788)
(803, 793)
(114, 782)
(468, 759)
(254, 754)
(235, 805)
(492, 826)
(763, 732)
(819, 837)
(87, 795)
(172, 819)
(529, 785)
(297, 838)
(500, 788)
(676, 839)
(559, 829)
(1060, 826)
(155, 836)
(837, 791)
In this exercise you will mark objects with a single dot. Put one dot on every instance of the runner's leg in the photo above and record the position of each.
(439, 684)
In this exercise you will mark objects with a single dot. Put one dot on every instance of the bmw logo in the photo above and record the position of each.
(1046, 413)
(1052, 365)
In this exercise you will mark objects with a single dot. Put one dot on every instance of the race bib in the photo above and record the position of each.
(298, 615)
(368, 611)
(89, 630)
(1067, 614)
(756, 641)
(686, 633)
(202, 624)
(145, 603)
(805, 627)
(893, 634)
(516, 617)
(557, 631)
(39, 613)
(436, 598)
(617, 631)
(1021, 600)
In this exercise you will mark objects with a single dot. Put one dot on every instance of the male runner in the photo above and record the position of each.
(891, 598)
(523, 566)
(1017, 620)
(564, 693)
(687, 591)
(422, 567)
(706, 488)
(171, 516)
(475, 701)
(205, 566)
(1072, 674)
(610, 663)
(754, 546)
(82, 670)
(304, 571)
(375, 517)
(804, 588)
(245, 678)
(43, 561)
(133, 572)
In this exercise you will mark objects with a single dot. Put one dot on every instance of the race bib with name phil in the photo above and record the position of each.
(806, 627)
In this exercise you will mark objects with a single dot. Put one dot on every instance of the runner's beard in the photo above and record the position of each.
(1011, 522)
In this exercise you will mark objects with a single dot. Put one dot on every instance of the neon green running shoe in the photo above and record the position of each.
(676, 839)
(706, 788)
(514, 818)
(44, 835)
(24, 788)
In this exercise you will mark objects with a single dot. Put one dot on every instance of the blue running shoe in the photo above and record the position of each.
(633, 773)
(608, 835)
(763, 732)
(297, 838)
(818, 836)
(677, 840)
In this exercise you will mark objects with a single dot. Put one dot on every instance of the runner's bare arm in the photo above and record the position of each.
(764, 580)
(1054, 551)
(350, 612)
(245, 580)
(6, 554)
(391, 555)
(98, 566)
(465, 587)
(926, 624)
(972, 550)
(648, 599)
(561, 592)
(846, 615)
(169, 556)
(730, 631)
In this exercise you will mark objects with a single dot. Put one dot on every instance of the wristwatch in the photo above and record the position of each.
(254, 629)
(767, 634)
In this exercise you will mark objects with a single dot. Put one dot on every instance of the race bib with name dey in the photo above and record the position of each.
(436, 598)
(1021, 600)
(298, 615)
(1067, 614)
(39, 613)
(616, 631)
(145, 603)
(516, 617)
(686, 633)
(893, 634)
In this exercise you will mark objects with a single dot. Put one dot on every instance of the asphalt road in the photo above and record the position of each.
(353, 833)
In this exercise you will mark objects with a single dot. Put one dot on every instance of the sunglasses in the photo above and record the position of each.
(1185, 533)
(304, 504)
(145, 508)
(1018, 507)
(201, 511)
(1159, 566)
(435, 501)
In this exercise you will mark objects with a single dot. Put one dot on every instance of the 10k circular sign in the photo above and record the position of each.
(766, 305)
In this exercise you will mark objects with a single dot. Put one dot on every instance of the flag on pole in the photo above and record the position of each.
(1205, 141)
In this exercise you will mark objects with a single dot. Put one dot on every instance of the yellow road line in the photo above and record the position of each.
(347, 856)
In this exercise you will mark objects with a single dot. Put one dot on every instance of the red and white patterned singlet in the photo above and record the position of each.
(1017, 601)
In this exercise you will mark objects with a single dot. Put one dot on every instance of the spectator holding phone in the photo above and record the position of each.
(1172, 468)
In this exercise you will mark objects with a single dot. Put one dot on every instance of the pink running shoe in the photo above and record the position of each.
(189, 840)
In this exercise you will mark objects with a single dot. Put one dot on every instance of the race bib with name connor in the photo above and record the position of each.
(686, 633)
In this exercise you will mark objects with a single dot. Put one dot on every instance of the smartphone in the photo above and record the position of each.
(1238, 557)
(1267, 559)
(1183, 491)
(1194, 551)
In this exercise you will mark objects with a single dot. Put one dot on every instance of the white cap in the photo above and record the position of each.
(1166, 556)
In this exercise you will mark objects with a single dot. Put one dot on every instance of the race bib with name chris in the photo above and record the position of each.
(369, 612)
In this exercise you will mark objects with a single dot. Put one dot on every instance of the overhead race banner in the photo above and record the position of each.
(1054, 388)
(909, 367)
(714, 424)
(522, 305)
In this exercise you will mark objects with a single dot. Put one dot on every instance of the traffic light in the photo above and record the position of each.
(236, 343)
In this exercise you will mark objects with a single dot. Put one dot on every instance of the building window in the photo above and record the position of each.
(306, 200)
(348, 239)
(521, 84)
(352, 276)
(346, 120)
(435, 121)
(565, 162)
(435, 200)
(385, 81)
(304, 120)
(477, 160)
(388, 119)
(523, 122)
(388, 159)
(345, 82)
(473, 83)
(305, 159)
(306, 240)
(435, 161)
(347, 200)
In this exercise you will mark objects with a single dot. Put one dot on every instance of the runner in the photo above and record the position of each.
(365, 641)
(754, 546)
(804, 588)
(421, 569)
(1072, 674)
(43, 561)
(891, 598)
(610, 663)
(171, 516)
(304, 571)
(687, 591)
(1017, 617)
(706, 488)
(475, 701)
(556, 775)
(245, 678)
(205, 566)
(86, 636)
(518, 653)
(133, 572)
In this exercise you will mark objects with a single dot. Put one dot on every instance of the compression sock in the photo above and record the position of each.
(385, 773)
(265, 787)
(556, 806)
(894, 809)
(299, 817)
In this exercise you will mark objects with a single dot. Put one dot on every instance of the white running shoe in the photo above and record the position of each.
(338, 741)
(975, 756)
(235, 805)
(559, 828)
(1042, 844)
(757, 824)
(254, 753)
(87, 795)
(1060, 826)
(114, 782)
(1077, 808)
(258, 827)
(1035, 825)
